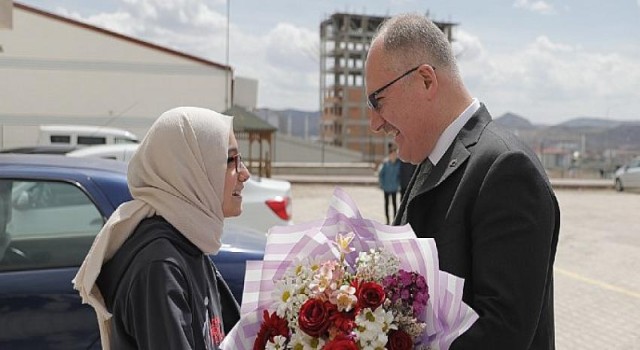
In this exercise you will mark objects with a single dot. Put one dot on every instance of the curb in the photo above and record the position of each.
(373, 181)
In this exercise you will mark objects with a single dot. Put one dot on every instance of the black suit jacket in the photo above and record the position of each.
(495, 219)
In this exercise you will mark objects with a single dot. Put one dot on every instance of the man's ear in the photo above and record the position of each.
(429, 79)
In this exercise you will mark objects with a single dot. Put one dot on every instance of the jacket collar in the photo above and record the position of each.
(458, 153)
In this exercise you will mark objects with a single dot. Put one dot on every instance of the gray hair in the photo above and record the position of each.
(413, 39)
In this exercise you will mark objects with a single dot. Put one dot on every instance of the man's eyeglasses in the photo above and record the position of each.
(372, 99)
(236, 159)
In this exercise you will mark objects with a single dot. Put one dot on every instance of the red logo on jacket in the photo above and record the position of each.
(216, 331)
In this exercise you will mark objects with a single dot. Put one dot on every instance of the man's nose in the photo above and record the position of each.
(375, 121)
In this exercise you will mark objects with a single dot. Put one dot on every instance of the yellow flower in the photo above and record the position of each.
(343, 242)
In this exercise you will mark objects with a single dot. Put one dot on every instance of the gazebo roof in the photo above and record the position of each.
(245, 121)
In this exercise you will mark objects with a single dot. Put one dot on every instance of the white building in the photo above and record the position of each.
(55, 70)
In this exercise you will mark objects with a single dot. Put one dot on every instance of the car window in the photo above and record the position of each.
(91, 140)
(45, 224)
(124, 140)
(60, 139)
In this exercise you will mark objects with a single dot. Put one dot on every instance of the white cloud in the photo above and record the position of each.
(538, 6)
(553, 81)
(283, 60)
(467, 46)
(544, 80)
(293, 47)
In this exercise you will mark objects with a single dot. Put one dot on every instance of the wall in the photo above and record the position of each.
(58, 72)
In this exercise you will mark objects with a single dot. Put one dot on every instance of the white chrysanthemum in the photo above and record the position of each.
(301, 341)
(278, 343)
(281, 296)
(376, 342)
(302, 269)
(372, 327)
(296, 302)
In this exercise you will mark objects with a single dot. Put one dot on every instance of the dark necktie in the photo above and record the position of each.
(415, 185)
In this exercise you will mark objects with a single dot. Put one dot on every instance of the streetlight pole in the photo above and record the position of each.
(226, 74)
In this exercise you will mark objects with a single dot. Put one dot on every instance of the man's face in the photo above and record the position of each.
(400, 109)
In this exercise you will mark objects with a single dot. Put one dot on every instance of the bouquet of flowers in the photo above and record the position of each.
(346, 282)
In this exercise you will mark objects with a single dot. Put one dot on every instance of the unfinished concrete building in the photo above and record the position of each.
(344, 42)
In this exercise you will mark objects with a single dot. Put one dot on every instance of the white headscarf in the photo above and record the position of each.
(178, 173)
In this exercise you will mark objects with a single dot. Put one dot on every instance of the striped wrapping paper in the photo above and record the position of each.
(446, 315)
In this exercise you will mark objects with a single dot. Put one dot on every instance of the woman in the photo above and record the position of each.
(147, 274)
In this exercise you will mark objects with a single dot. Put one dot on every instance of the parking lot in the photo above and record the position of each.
(597, 270)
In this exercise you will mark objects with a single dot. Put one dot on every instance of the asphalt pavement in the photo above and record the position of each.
(597, 269)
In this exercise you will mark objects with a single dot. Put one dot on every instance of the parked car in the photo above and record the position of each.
(628, 176)
(42, 149)
(122, 152)
(51, 208)
(83, 135)
(266, 202)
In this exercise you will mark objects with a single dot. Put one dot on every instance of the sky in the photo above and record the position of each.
(546, 60)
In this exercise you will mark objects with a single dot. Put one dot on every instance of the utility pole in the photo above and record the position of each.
(226, 74)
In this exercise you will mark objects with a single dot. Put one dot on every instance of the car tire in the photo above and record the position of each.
(618, 185)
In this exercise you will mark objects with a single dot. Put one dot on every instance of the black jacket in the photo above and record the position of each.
(495, 219)
(164, 293)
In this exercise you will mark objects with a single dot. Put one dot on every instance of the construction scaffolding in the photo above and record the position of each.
(344, 43)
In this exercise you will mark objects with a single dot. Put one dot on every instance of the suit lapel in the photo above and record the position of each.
(458, 152)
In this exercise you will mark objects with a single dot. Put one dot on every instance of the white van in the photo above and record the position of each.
(122, 152)
(83, 135)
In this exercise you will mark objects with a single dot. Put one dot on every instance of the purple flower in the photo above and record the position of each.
(410, 287)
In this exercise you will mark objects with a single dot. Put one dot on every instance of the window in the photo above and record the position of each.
(124, 140)
(60, 139)
(91, 140)
(45, 224)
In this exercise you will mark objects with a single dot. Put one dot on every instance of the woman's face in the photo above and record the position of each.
(235, 177)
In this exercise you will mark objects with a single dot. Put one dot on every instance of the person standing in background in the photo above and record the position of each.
(389, 182)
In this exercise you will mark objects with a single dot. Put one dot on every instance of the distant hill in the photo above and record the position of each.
(514, 121)
(589, 122)
(589, 134)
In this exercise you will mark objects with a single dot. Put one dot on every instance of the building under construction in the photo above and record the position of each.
(344, 42)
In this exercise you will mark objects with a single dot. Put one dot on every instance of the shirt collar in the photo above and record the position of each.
(450, 133)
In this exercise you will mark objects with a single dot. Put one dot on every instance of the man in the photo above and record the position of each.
(478, 191)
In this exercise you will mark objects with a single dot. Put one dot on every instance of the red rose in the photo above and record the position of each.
(314, 318)
(271, 327)
(341, 343)
(344, 321)
(399, 340)
(371, 295)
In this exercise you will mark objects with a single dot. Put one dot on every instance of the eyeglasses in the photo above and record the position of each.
(237, 160)
(372, 99)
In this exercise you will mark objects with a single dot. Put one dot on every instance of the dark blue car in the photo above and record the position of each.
(51, 208)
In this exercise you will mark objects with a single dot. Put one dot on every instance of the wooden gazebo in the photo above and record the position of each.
(248, 126)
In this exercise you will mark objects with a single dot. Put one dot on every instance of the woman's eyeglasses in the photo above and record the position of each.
(236, 159)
